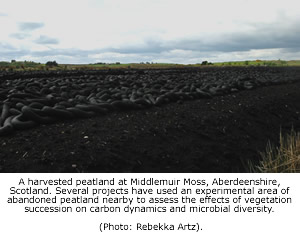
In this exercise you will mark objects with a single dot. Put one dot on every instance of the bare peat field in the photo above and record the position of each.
(211, 119)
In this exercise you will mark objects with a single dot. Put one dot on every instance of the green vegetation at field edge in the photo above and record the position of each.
(29, 65)
(282, 159)
(269, 63)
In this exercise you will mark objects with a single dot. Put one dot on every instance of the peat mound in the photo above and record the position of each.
(48, 97)
(189, 134)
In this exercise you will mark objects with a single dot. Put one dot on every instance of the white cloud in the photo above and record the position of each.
(30, 26)
(142, 30)
(19, 36)
(43, 39)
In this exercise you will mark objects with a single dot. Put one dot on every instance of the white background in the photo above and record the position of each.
(283, 222)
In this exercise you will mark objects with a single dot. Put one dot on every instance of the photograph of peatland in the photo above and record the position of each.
(169, 119)
(139, 86)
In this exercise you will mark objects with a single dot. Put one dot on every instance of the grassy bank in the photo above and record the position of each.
(282, 159)
(272, 63)
(29, 65)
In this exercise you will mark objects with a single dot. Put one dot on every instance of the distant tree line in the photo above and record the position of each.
(51, 64)
(204, 63)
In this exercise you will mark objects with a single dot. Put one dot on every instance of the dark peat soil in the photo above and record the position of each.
(208, 135)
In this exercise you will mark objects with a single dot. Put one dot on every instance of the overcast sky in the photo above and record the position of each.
(175, 31)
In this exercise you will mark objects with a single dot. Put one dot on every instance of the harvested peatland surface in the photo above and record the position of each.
(196, 120)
